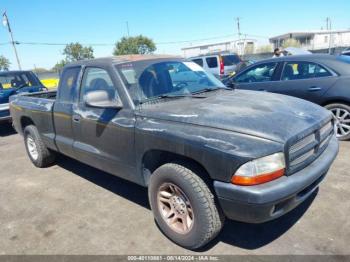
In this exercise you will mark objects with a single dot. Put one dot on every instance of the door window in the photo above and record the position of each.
(230, 60)
(303, 70)
(97, 79)
(68, 84)
(198, 61)
(212, 62)
(259, 73)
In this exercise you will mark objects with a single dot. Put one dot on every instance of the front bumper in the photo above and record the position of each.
(4, 112)
(261, 203)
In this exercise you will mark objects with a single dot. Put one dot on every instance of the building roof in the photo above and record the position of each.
(307, 33)
(219, 43)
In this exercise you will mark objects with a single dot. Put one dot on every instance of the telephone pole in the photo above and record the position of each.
(6, 23)
(329, 27)
(239, 34)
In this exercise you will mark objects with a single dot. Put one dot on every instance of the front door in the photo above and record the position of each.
(305, 80)
(104, 137)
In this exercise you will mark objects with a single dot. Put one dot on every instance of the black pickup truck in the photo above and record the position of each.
(204, 151)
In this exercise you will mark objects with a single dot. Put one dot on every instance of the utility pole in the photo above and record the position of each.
(127, 28)
(239, 33)
(6, 23)
(329, 22)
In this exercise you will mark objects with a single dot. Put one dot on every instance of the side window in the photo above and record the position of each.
(303, 70)
(68, 84)
(212, 62)
(259, 73)
(198, 61)
(97, 79)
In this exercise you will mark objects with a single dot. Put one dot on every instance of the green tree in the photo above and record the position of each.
(75, 52)
(59, 65)
(291, 42)
(4, 63)
(134, 45)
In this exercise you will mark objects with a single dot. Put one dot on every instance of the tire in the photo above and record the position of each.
(342, 114)
(207, 219)
(38, 153)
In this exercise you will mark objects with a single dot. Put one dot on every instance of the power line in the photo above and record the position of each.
(112, 44)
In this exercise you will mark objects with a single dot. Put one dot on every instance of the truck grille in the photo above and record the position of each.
(307, 149)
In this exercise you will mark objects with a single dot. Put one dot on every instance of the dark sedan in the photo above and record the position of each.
(322, 79)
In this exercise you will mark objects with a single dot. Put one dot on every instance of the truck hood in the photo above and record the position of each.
(261, 114)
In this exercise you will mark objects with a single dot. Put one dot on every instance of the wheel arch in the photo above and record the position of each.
(26, 121)
(335, 101)
(153, 159)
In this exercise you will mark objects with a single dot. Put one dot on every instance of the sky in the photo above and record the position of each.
(165, 21)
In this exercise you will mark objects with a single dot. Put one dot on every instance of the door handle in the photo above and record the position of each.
(76, 118)
(314, 88)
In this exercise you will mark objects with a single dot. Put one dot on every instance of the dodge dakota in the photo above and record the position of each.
(204, 151)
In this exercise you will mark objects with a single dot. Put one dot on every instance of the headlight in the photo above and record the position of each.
(260, 170)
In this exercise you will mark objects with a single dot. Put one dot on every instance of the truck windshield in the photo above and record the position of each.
(18, 79)
(148, 80)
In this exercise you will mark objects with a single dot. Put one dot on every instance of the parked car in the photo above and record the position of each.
(16, 82)
(204, 151)
(219, 65)
(322, 79)
(346, 52)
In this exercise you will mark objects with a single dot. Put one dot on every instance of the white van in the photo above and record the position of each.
(219, 65)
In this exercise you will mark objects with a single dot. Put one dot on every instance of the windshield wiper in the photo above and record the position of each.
(170, 96)
(206, 90)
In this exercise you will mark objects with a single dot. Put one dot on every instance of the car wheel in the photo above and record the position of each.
(183, 206)
(342, 114)
(38, 153)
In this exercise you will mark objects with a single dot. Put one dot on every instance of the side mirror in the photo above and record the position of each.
(101, 99)
(230, 83)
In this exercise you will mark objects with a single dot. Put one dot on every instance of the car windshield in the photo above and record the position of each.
(17, 79)
(146, 80)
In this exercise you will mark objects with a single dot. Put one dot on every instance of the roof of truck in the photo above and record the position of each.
(121, 59)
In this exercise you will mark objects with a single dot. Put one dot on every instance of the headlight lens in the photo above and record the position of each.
(260, 170)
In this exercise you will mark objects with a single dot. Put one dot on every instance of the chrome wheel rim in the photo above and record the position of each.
(343, 121)
(32, 149)
(175, 208)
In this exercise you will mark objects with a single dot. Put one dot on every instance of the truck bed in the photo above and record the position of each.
(38, 107)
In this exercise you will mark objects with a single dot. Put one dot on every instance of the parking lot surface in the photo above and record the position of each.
(71, 208)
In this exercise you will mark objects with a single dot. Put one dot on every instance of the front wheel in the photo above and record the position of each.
(342, 113)
(183, 206)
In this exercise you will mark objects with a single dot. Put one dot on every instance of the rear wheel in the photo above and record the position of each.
(342, 114)
(38, 153)
(183, 206)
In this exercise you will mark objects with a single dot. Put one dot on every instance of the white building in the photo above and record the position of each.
(237, 46)
(315, 40)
